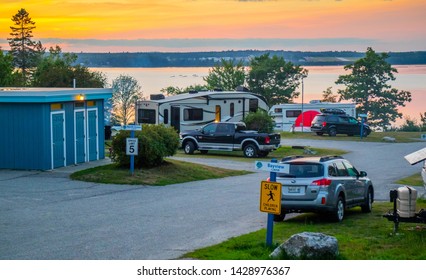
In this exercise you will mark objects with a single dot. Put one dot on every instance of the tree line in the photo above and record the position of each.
(210, 59)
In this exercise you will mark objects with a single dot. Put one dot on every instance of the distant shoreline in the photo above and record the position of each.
(210, 59)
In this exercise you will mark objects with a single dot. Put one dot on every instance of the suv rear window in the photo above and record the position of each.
(319, 118)
(304, 170)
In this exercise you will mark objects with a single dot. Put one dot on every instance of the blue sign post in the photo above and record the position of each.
(132, 145)
(270, 193)
(363, 118)
(270, 225)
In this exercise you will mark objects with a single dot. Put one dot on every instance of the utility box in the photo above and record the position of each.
(406, 202)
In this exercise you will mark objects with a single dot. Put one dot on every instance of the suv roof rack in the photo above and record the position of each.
(327, 158)
(333, 111)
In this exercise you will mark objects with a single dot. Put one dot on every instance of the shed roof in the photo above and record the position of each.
(49, 95)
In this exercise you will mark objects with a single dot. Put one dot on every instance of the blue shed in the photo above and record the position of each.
(47, 128)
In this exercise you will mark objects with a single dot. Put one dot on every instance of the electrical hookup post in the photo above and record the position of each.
(270, 193)
(132, 145)
(363, 119)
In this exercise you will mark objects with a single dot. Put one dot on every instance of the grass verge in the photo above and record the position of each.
(360, 237)
(171, 172)
(400, 136)
(277, 154)
(414, 180)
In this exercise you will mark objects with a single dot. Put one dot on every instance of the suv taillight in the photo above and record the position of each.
(322, 182)
(267, 140)
(324, 123)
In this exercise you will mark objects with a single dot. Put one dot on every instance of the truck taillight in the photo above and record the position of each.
(267, 140)
(324, 123)
(322, 182)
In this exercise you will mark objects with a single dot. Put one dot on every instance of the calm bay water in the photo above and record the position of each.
(410, 77)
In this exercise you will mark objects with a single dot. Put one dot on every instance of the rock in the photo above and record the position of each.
(389, 139)
(308, 245)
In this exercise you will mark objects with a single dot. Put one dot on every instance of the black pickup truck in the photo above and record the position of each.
(229, 136)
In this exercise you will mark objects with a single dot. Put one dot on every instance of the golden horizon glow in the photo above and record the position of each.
(390, 20)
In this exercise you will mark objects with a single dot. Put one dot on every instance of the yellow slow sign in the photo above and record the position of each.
(270, 197)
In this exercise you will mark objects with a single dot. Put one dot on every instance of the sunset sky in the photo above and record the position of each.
(203, 25)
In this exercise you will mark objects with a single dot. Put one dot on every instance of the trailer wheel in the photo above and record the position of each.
(189, 148)
(250, 151)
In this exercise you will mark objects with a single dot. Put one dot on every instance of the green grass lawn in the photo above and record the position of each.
(414, 180)
(400, 136)
(171, 172)
(360, 237)
(277, 154)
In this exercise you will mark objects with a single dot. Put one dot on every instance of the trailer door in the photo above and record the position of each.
(175, 117)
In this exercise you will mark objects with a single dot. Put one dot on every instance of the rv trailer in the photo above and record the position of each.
(192, 110)
(289, 117)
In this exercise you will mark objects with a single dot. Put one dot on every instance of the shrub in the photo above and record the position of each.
(155, 142)
(260, 121)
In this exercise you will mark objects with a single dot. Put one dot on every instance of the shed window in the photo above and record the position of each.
(56, 106)
(91, 103)
(79, 105)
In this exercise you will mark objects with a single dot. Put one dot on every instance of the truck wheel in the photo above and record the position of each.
(250, 151)
(332, 132)
(189, 148)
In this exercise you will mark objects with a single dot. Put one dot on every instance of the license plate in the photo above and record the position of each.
(293, 189)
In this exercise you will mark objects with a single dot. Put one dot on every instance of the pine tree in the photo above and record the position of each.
(24, 50)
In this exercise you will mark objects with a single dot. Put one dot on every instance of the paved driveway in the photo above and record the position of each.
(45, 215)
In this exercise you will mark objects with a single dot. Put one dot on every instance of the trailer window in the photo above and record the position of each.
(193, 114)
(253, 105)
(146, 116)
(231, 109)
(166, 116)
(293, 113)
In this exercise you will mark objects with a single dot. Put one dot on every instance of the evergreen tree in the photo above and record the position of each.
(368, 87)
(275, 79)
(26, 52)
(6, 69)
(226, 75)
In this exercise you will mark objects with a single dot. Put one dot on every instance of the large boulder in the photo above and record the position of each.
(308, 245)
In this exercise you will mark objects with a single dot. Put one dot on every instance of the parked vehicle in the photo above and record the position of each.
(333, 122)
(227, 136)
(298, 116)
(329, 184)
(194, 109)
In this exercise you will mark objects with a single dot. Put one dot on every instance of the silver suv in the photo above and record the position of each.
(328, 184)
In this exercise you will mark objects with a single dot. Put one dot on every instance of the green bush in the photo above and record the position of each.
(155, 142)
(260, 121)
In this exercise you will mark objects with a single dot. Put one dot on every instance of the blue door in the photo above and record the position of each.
(80, 137)
(92, 131)
(58, 140)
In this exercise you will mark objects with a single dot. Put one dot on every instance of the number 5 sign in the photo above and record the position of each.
(132, 146)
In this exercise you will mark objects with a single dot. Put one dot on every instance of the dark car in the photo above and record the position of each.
(328, 184)
(333, 123)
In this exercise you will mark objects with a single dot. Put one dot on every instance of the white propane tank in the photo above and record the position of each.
(406, 202)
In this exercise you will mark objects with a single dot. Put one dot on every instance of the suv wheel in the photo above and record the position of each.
(250, 151)
(332, 132)
(189, 147)
(339, 212)
(368, 206)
